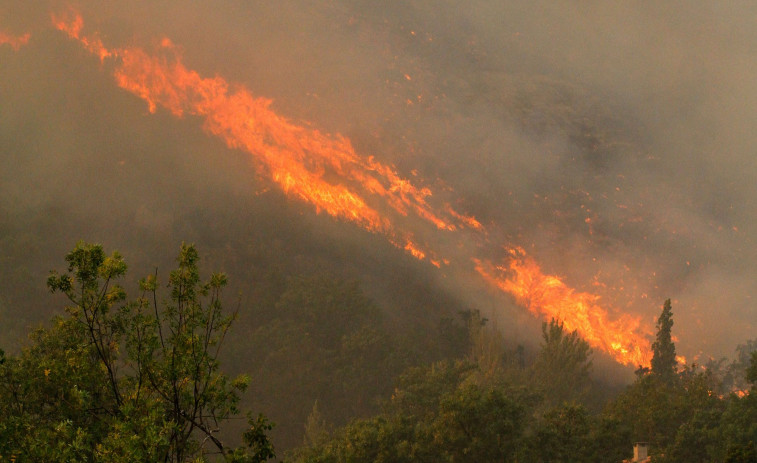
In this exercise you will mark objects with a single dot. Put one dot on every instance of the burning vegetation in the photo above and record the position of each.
(325, 171)
(15, 41)
(464, 181)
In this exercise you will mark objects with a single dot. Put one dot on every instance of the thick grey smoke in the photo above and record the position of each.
(612, 140)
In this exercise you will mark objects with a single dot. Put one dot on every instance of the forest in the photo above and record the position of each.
(252, 231)
(117, 377)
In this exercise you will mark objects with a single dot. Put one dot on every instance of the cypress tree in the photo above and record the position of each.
(663, 349)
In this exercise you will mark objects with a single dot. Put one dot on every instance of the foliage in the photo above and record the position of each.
(562, 367)
(562, 435)
(126, 380)
(663, 349)
(437, 414)
(472, 410)
(751, 373)
(681, 414)
(118, 379)
(734, 375)
(326, 343)
(738, 428)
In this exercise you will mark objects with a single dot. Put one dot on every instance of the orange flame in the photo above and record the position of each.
(305, 162)
(548, 296)
(15, 41)
(298, 159)
(73, 29)
(414, 251)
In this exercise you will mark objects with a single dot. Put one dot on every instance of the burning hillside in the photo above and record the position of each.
(489, 156)
(300, 161)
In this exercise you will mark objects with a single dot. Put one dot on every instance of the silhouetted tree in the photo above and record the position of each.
(663, 349)
(562, 367)
(751, 372)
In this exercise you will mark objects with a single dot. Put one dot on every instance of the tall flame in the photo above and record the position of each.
(549, 296)
(304, 163)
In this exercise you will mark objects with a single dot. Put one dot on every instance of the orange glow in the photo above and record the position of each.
(73, 29)
(16, 42)
(413, 250)
(549, 297)
(324, 170)
(297, 158)
(470, 221)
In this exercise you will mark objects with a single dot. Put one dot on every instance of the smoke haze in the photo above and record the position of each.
(613, 142)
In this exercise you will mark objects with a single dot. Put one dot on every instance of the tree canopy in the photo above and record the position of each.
(118, 379)
(488, 409)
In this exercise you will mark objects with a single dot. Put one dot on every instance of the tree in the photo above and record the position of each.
(733, 374)
(119, 380)
(562, 367)
(437, 414)
(458, 336)
(328, 343)
(563, 434)
(663, 349)
(738, 430)
(751, 372)
(677, 412)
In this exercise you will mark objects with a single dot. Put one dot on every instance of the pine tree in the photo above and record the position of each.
(663, 349)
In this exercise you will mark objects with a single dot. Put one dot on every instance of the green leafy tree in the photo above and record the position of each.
(316, 428)
(562, 367)
(438, 413)
(698, 416)
(118, 380)
(678, 412)
(478, 424)
(327, 344)
(563, 434)
(738, 430)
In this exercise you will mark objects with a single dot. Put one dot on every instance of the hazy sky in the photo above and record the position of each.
(614, 141)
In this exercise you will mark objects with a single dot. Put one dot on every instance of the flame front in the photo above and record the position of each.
(296, 158)
(15, 41)
(303, 162)
(548, 296)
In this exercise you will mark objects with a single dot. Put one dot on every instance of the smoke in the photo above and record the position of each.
(612, 141)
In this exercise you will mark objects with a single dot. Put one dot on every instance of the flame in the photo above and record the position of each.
(325, 171)
(414, 251)
(296, 158)
(73, 29)
(470, 221)
(15, 41)
(548, 296)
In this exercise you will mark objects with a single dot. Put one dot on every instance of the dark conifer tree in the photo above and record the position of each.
(663, 349)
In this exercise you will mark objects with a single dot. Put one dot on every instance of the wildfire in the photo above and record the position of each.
(325, 171)
(15, 41)
(548, 296)
(297, 158)
(414, 251)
